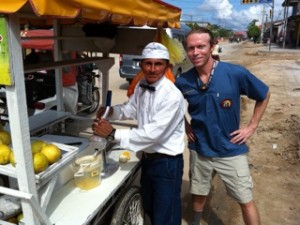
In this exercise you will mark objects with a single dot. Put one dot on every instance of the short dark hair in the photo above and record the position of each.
(201, 30)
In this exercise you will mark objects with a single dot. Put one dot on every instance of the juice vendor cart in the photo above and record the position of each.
(51, 196)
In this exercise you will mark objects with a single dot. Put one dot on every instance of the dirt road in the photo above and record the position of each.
(274, 148)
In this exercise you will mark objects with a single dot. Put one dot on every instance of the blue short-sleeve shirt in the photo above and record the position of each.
(215, 112)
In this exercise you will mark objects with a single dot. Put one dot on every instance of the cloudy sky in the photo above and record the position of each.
(230, 14)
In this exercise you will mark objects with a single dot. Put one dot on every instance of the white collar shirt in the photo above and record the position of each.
(160, 119)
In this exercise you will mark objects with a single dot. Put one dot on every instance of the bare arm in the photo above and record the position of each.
(243, 134)
(189, 131)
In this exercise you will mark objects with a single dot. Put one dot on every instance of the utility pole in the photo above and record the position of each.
(271, 25)
(262, 24)
(285, 18)
(191, 17)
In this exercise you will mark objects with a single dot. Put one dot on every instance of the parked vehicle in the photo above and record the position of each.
(84, 96)
(129, 64)
(89, 93)
(80, 93)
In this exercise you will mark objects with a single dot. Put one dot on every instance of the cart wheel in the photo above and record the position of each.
(129, 210)
(95, 101)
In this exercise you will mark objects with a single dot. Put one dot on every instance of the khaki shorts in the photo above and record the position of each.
(234, 172)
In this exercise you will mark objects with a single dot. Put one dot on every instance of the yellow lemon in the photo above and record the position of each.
(12, 158)
(37, 146)
(124, 157)
(40, 162)
(4, 154)
(20, 216)
(52, 152)
(5, 137)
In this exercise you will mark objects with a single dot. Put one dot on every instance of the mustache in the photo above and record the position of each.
(152, 73)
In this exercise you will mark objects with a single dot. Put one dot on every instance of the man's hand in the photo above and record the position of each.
(102, 128)
(102, 110)
(240, 136)
(189, 132)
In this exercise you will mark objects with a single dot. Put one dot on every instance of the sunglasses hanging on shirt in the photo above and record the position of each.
(205, 86)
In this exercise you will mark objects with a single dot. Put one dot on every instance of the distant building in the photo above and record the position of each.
(286, 32)
(290, 31)
(278, 27)
(238, 36)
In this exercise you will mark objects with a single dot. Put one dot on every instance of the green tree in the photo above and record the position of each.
(192, 25)
(217, 30)
(225, 33)
(253, 31)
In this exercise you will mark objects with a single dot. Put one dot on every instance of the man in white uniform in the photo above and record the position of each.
(158, 106)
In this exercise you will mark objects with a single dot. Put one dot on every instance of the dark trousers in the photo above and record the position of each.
(161, 181)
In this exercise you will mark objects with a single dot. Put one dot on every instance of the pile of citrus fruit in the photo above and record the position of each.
(5, 150)
(43, 153)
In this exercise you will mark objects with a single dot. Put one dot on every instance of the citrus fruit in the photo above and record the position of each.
(37, 146)
(40, 162)
(12, 158)
(4, 154)
(124, 157)
(5, 137)
(52, 152)
(20, 216)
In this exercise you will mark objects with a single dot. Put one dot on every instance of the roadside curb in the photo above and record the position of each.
(277, 50)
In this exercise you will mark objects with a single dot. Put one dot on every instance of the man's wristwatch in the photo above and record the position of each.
(111, 136)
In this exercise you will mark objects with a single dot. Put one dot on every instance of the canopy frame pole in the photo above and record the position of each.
(58, 71)
(19, 125)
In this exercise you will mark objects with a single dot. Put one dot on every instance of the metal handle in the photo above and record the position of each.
(108, 103)
(106, 112)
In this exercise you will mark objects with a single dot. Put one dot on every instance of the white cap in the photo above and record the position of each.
(155, 50)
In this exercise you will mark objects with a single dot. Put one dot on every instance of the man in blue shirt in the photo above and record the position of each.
(216, 140)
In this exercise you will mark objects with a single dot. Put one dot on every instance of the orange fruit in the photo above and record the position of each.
(40, 162)
(52, 152)
(5, 137)
(12, 159)
(4, 154)
(37, 146)
(124, 157)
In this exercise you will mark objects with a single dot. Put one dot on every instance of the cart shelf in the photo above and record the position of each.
(46, 119)
(69, 153)
(71, 205)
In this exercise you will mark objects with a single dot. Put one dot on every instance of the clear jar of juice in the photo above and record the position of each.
(88, 171)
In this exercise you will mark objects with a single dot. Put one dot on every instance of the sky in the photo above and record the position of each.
(230, 14)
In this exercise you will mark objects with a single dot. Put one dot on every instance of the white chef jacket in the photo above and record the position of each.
(160, 118)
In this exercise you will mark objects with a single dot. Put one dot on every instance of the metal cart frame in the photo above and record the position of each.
(41, 203)
(35, 199)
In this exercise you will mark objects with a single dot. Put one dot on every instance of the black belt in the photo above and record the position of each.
(156, 155)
